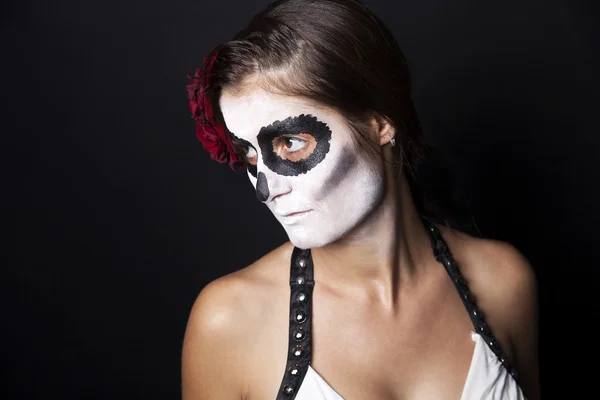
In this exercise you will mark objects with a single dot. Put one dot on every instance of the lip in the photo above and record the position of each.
(293, 216)
(295, 213)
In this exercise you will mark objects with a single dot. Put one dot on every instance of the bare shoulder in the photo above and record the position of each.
(498, 269)
(505, 287)
(215, 352)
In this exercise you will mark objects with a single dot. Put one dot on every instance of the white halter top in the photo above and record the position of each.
(487, 380)
(490, 376)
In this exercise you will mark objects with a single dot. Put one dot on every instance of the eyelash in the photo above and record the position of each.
(281, 139)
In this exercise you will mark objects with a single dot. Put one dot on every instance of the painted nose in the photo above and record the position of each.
(262, 187)
(267, 189)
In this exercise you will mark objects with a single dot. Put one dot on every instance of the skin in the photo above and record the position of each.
(303, 157)
(387, 321)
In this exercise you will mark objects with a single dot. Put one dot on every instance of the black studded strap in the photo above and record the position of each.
(299, 344)
(444, 256)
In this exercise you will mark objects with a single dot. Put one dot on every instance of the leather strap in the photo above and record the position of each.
(299, 342)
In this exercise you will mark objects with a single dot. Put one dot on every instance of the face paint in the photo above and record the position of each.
(313, 136)
(250, 152)
(304, 164)
(262, 188)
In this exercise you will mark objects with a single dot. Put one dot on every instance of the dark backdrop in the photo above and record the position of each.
(116, 217)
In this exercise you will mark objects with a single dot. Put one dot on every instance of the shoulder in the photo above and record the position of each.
(505, 287)
(498, 274)
(238, 295)
(217, 329)
(496, 269)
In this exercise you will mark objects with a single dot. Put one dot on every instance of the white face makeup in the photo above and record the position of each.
(304, 164)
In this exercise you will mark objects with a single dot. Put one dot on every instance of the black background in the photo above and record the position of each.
(116, 217)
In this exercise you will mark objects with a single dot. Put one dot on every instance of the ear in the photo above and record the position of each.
(383, 129)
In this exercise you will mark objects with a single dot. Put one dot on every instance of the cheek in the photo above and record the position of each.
(336, 174)
(350, 185)
(343, 170)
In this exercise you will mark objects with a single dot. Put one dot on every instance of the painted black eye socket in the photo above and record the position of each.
(250, 154)
(245, 150)
(290, 147)
(298, 158)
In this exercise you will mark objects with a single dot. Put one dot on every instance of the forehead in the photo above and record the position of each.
(246, 112)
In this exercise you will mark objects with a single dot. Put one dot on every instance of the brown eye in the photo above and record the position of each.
(293, 144)
(294, 148)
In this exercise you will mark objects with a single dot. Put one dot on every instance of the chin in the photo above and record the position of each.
(307, 239)
(306, 243)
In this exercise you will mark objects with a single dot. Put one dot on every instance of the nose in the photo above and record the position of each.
(270, 186)
(262, 187)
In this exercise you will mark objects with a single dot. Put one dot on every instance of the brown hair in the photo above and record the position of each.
(334, 52)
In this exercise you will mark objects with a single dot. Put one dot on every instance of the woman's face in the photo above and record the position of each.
(303, 164)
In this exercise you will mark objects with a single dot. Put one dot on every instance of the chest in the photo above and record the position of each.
(424, 354)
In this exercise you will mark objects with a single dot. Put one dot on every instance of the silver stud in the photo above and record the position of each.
(300, 280)
(302, 263)
(301, 297)
(299, 316)
(294, 371)
(299, 335)
(298, 351)
(288, 389)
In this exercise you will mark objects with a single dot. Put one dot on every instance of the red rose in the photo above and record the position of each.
(211, 135)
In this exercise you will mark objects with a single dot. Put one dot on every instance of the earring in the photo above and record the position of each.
(393, 141)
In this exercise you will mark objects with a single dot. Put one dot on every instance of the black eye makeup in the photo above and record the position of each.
(295, 145)
(247, 151)
(290, 147)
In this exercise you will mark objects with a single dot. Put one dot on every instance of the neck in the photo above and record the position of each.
(386, 251)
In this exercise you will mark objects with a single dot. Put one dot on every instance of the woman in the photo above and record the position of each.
(370, 299)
